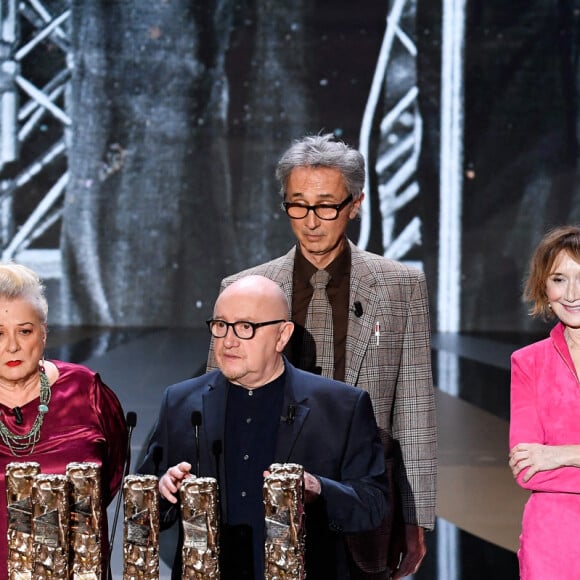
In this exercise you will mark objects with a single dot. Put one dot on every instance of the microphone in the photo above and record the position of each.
(131, 424)
(196, 422)
(131, 421)
(18, 413)
(290, 415)
(357, 309)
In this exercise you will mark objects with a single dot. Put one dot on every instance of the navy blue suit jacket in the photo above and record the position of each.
(334, 436)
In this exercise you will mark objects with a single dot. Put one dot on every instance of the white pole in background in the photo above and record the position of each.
(449, 263)
(451, 167)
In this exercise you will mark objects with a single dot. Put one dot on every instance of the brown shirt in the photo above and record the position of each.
(338, 291)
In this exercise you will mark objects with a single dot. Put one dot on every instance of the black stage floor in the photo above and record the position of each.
(479, 506)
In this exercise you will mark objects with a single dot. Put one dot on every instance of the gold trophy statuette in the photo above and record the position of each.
(200, 517)
(141, 528)
(284, 511)
(19, 478)
(50, 525)
(85, 520)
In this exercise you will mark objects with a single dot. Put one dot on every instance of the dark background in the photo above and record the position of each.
(179, 111)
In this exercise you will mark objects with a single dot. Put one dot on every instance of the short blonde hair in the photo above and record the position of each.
(19, 282)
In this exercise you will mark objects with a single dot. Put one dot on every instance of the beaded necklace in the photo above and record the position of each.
(19, 444)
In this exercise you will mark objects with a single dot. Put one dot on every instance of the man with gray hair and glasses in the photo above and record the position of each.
(362, 319)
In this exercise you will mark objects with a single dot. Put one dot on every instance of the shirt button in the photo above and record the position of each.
(250, 393)
(249, 420)
(246, 457)
(243, 494)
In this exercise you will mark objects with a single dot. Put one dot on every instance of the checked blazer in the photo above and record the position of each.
(396, 373)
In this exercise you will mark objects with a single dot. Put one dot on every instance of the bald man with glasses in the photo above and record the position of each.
(261, 410)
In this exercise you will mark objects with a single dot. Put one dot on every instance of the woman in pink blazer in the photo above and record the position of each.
(545, 413)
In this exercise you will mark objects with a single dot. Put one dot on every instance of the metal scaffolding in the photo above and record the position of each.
(392, 106)
(33, 129)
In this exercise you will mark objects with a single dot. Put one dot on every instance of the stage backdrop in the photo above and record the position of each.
(139, 141)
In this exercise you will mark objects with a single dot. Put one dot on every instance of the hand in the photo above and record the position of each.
(170, 481)
(535, 457)
(312, 487)
(408, 557)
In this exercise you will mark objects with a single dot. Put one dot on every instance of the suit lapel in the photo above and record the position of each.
(214, 418)
(290, 428)
(214, 403)
(360, 331)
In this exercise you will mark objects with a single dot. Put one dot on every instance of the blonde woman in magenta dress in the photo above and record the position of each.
(51, 412)
(545, 414)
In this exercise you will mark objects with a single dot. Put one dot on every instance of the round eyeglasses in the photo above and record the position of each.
(242, 328)
(323, 211)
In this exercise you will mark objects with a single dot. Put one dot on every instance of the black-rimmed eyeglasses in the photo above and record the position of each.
(242, 328)
(324, 211)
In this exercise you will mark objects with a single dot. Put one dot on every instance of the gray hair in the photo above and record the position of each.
(324, 151)
(20, 282)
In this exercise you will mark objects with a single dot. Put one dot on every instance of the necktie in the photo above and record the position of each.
(318, 348)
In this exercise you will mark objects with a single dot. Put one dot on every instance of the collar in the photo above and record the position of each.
(339, 267)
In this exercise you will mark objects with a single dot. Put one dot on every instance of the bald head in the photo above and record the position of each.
(252, 301)
(266, 293)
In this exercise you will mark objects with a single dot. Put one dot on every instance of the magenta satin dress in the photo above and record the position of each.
(545, 408)
(85, 422)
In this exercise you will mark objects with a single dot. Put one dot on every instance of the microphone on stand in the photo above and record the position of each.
(196, 422)
(131, 421)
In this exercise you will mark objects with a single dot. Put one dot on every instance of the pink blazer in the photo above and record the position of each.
(545, 406)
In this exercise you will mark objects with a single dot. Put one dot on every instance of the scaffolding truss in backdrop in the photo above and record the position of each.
(393, 107)
(34, 126)
(33, 131)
